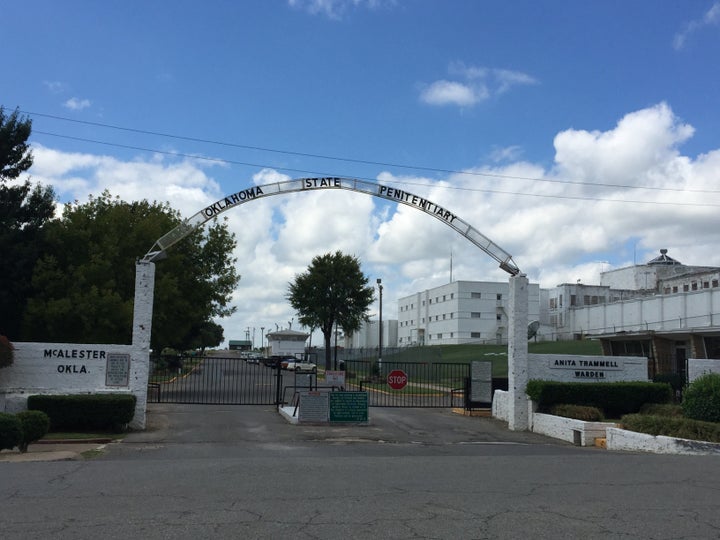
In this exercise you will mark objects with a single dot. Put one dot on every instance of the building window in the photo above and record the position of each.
(430, 301)
(694, 285)
(667, 290)
(552, 303)
(423, 302)
(475, 315)
(475, 335)
(714, 282)
(443, 316)
(452, 295)
(437, 299)
(675, 289)
(498, 317)
(573, 300)
(452, 315)
(686, 287)
(443, 297)
(586, 300)
(499, 296)
(439, 336)
(706, 285)
(475, 295)
(423, 320)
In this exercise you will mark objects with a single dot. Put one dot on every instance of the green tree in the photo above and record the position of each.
(332, 290)
(84, 284)
(209, 334)
(24, 211)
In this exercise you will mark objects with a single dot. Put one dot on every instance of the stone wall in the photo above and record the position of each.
(71, 368)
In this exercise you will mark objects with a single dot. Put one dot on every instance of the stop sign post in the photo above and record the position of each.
(397, 379)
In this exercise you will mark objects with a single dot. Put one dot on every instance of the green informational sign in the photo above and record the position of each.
(348, 406)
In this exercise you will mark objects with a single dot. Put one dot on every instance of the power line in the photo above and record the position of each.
(361, 161)
(396, 182)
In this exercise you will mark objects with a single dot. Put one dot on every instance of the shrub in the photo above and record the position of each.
(10, 431)
(701, 399)
(35, 424)
(6, 352)
(578, 412)
(662, 409)
(86, 412)
(683, 428)
(613, 398)
(676, 380)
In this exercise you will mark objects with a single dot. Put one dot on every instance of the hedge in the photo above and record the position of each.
(672, 426)
(35, 424)
(10, 431)
(614, 399)
(85, 412)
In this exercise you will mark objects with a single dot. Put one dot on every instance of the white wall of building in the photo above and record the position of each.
(660, 312)
(459, 312)
(286, 343)
(368, 336)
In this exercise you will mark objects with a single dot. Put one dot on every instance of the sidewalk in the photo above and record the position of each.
(63, 450)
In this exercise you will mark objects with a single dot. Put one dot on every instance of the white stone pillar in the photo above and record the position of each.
(518, 419)
(142, 326)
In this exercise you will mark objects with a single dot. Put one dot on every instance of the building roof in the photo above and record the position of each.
(286, 333)
(663, 260)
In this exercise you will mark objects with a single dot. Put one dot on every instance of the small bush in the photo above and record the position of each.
(701, 400)
(86, 412)
(6, 352)
(10, 431)
(613, 398)
(35, 424)
(578, 412)
(662, 409)
(683, 428)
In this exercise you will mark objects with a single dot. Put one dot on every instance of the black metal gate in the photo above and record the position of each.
(426, 384)
(213, 380)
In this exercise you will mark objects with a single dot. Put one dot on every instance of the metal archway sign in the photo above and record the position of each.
(333, 182)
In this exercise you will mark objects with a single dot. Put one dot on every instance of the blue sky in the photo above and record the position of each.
(579, 136)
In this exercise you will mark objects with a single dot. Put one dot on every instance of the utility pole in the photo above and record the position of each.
(380, 326)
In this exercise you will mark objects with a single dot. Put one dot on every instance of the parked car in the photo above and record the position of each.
(275, 361)
(292, 364)
(254, 359)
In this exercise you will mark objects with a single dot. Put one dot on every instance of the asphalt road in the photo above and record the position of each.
(242, 472)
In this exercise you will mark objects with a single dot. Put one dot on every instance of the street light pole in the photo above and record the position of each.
(380, 326)
(262, 339)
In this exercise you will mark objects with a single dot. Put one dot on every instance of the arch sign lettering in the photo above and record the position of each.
(361, 186)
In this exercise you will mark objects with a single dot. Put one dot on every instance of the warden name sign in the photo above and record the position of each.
(588, 368)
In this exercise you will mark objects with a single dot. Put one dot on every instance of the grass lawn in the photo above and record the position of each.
(497, 354)
(80, 436)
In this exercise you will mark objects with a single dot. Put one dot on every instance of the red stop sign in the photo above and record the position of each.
(397, 379)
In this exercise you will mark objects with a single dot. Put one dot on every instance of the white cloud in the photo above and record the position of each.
(335, 9)
(76, 104)
(55, 87)
(710, 18)
(453, 93)
(557, 231)
(476, 84)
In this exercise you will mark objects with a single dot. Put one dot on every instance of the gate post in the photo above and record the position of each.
(142, 326)
(518, 354)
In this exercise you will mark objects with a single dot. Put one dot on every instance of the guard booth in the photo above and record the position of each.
(239, 345)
